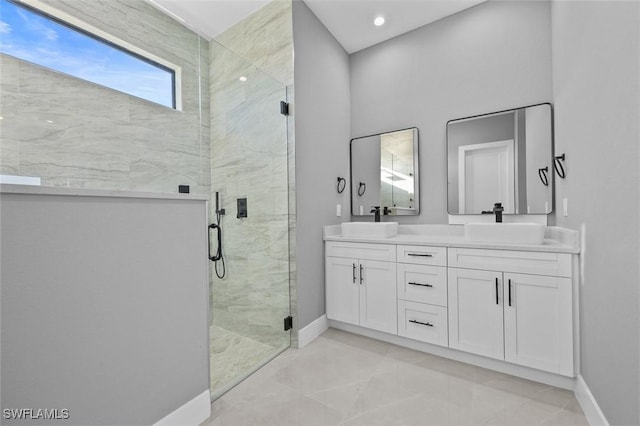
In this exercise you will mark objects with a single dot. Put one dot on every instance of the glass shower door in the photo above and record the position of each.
(249, 173)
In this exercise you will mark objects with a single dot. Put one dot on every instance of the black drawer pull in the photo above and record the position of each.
(420, 254)
(421, 285)
(421, 323)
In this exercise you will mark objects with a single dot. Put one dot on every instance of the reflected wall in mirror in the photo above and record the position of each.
(503, 157)
(384, 173)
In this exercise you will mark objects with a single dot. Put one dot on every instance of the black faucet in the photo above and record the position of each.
(497, 210)
(376, 211)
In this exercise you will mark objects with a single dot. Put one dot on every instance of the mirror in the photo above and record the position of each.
(384, 172)
(504, 157)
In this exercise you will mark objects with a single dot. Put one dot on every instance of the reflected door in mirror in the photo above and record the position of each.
(486, 176)
(501, 158)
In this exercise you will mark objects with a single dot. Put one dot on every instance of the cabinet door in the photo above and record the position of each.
(343, 289)
(476, 312)
(538, 322)
(378, 302)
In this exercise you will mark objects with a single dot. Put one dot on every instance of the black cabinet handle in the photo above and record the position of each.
(420, 254)
(421, 285)
(354, 273)
(497, 303)
(509, 292)
(421, 323)
(360, 274)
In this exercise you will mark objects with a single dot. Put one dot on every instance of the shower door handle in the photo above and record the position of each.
(217, 256)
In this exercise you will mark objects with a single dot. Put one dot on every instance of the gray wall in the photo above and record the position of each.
(98, 137)
(104, 306)
(596, 95)
(322, 150)
(492, 57)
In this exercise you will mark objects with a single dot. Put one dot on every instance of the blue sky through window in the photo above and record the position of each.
(35, 38)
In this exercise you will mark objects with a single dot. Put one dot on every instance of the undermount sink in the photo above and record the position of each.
(370, 229)
(510, 233)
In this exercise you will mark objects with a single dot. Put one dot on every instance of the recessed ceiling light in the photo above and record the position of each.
(49, 121)
(378, 21)
(243, 78)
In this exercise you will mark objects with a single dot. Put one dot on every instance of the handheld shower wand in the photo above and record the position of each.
(218, 257)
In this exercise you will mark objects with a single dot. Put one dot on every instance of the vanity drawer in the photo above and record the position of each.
(420, 321)
(422, 283)
(422, 255)
(384, 252)
(525, 262)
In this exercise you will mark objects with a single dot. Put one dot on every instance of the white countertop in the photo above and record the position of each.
(557, 240)
(6, 188)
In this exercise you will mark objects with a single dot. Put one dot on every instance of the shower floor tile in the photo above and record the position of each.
(233, 357)
(345, 379)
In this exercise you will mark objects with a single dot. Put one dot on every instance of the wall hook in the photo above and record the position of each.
(362, 188)
(342, 183)
(542, 173)
(558, 167)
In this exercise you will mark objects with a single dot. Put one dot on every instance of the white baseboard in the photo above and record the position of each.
(192, 413)
(311, 331)
(590, 407)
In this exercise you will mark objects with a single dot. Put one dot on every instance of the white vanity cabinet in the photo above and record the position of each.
(361, 285)
(512, 305)
(445, 295)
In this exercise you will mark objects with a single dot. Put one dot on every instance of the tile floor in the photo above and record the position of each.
(345, 379)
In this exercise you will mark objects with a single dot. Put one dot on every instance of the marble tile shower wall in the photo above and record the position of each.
(252, 156)
(265, 39)
(74, 133)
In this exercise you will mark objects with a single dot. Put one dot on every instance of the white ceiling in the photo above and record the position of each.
(350, 21)
(209, 18)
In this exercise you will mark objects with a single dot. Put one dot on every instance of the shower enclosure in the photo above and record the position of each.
(229, 137)
(248, 162)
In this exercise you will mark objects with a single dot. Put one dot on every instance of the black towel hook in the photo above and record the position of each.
(342, 183)
(542, 173)
(362, 188)
(557, 165)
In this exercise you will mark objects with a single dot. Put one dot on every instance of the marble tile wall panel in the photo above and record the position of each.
(9, 67)
(75, 133)
(265, 39)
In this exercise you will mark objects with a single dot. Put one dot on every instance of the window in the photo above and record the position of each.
(45, 40)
